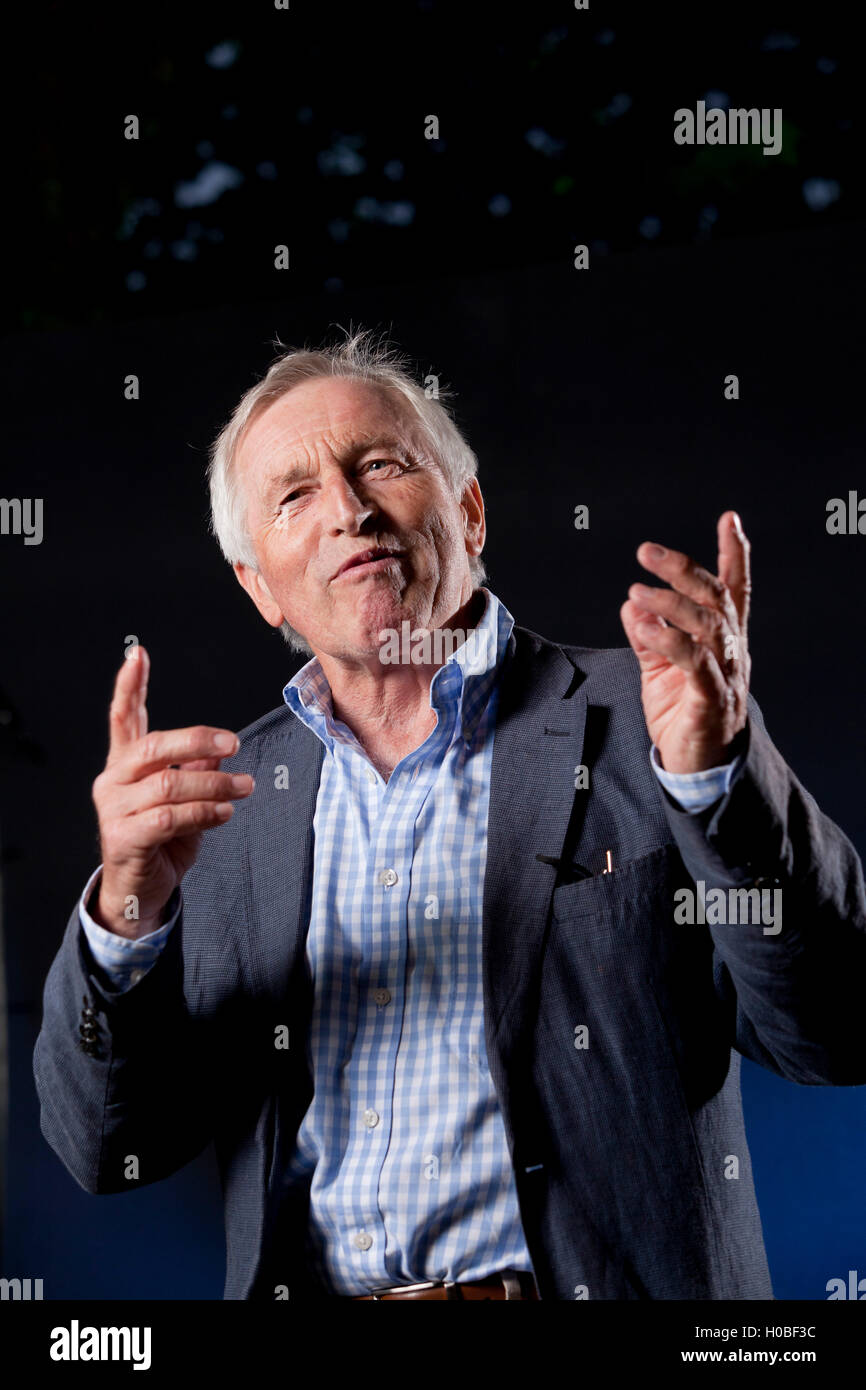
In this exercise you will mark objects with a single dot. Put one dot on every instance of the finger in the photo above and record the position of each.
(705, 625)
(735, 564)
(680, 650)
(169, 822)
(161, 748)
(632, 617)
(127, 714)
(686, 576)
(171, 787)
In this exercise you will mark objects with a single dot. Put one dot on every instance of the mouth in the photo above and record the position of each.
(368, 561)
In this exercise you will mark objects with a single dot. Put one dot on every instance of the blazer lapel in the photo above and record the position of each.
(280, 851)
(280, 872)
(538, 743)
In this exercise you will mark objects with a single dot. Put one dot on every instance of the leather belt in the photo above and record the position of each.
(509, 1284)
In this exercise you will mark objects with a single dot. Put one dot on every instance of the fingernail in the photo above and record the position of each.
(226, 742)
(657, 552)
(241, 782)
(224, 809)
(737, 524)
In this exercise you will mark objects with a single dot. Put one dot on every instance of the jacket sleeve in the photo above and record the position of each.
(123, 1075)
(797, 993)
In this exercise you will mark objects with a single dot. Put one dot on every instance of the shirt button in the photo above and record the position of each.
(382, 996)
(135, 976)
(362, 1241)
(388, 877)
(371, 776)
(371, 1119)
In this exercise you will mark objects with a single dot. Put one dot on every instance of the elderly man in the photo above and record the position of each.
(432, 982)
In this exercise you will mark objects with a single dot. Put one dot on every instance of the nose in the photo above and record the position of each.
(347, 509)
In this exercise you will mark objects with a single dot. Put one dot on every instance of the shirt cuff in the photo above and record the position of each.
(124, 961)
(695, 791)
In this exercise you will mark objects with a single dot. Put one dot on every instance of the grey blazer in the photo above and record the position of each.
(622, 1150)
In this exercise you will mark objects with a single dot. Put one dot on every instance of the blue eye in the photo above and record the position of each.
(396, 463)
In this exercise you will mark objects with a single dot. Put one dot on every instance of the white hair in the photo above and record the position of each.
(363, 358)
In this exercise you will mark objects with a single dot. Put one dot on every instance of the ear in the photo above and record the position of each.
(259, 592)
(474, 526)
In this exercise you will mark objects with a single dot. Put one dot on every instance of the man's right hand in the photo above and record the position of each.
(157, 793)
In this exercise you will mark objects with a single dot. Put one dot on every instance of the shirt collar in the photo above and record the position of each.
(463, 685)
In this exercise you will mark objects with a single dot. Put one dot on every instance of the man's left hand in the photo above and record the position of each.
(690, 641)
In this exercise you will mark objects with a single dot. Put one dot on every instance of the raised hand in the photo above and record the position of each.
(691, 642)
(157, 793)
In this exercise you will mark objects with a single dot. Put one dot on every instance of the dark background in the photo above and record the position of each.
(603, 387)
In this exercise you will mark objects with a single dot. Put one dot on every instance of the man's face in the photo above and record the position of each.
(335, 468)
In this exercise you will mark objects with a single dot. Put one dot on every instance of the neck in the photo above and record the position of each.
(387, 708)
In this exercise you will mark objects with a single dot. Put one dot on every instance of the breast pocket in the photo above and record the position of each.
(614, 951)
(627, 892)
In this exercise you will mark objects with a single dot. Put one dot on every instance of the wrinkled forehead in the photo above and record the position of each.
(330, 418)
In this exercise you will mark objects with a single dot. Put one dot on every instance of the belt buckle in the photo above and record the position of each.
(414, 1288)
